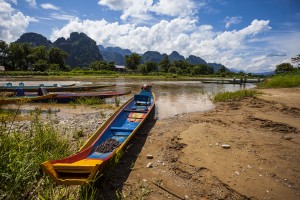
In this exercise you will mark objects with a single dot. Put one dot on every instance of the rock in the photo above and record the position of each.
(149, 156)
(149, 165)
(226, 146)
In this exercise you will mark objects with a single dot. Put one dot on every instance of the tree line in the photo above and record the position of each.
(288, 67)
(24, 57)
(133, 62)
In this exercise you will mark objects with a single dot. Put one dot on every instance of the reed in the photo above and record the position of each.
(282, 81)
(234, 96)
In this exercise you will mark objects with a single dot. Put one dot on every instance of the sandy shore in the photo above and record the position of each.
(189, 161)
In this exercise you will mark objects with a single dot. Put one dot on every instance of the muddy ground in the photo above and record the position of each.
(189, 162)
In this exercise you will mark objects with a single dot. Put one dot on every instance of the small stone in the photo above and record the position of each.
(145, 180)
(149, 156)
(249, 166)
(217, 144)
(186, 196)
(237, 173)
(226, 146)
(149, 165)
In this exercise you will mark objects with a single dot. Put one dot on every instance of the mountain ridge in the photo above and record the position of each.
(82, 50)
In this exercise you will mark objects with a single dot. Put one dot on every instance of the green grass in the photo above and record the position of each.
(88, 101)
(21, 156)
(282, 81)
(234, 96)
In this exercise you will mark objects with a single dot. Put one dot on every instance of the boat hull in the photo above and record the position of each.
(68, 97)
(25, 99)
(83, 167)
(54, 89)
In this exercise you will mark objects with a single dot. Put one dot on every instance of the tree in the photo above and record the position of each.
(165, 64)
(39, 58)
(132, 61)
(142, 68)
(3, 53)
(151, 66)
(283, 68)
(296, 59)
(57, 56)
(102, 65)
(16, 56)
(222, 69)
(183, 65)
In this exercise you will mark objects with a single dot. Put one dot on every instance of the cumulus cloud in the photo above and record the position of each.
(232, 20)
(13, 23)
(49, 6)
(142, 10)
(180, 34)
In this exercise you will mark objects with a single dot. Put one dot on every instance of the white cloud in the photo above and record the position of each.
(62, 16)
(142, 10)
(49, 6)
(13, 24)
(32, 3)
(232, 20)
(234, 49)
(181, 8)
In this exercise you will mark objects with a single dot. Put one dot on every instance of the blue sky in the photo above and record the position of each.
(253, 36)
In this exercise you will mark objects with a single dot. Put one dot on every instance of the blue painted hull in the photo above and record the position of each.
(82, 167)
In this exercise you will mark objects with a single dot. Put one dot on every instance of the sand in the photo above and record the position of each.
(261, 159)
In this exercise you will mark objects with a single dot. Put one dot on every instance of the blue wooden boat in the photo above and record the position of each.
(93, 156)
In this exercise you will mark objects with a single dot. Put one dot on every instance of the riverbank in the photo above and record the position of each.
(189, 161)
(188, 158)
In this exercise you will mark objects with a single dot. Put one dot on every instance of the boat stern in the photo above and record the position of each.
(77, 173)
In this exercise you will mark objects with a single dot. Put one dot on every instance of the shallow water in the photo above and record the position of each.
(173, 97)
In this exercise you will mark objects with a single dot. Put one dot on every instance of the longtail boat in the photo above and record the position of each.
(10, 87)
(57, 88)
(93, 156)
(67, 97)
(25, 99)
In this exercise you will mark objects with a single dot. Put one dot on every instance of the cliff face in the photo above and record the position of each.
(34, 39)
(82, 50)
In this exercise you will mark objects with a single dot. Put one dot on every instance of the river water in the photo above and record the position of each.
(173, 97)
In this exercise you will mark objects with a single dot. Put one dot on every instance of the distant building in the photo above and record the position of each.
(120, 68)
(2, 68)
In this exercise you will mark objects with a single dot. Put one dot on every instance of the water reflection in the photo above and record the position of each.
(173, 97)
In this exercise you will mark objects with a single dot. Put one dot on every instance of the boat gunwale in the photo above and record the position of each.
(88, 146)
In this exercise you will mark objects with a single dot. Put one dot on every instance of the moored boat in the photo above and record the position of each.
(25, 99)
(53, 88)
(67, 97)
(94, 155)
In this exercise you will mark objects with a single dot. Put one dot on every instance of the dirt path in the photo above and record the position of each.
(189, 161)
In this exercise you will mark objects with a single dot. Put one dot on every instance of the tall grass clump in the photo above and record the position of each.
(89, 101)
(21, 154)
(234, 96)
(282, 81)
